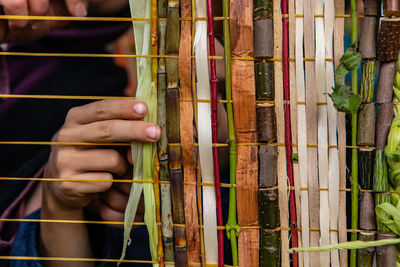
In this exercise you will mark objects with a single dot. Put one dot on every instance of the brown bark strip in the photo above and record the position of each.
(366, 122)
(371, 8)
(186, 131)
(243, 93)
(368, 37)
(389, 40)
(263, 47)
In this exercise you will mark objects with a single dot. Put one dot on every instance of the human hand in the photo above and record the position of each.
(99, 122)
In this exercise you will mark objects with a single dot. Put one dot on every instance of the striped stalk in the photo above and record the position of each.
(173, 132)
(162, 145)
(232, 227)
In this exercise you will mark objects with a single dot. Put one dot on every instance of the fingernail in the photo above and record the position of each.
(139, 108)
(153, 132)
(80, 10)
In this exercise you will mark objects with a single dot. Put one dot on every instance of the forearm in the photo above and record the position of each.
(70, 240)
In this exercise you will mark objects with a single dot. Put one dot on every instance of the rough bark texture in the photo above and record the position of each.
(268, 156)
(386, 255)
(371, 8)
(365, 256)
(243, 92)
(389, 40)
(366, 125)
(365, 168)
(263, 30)
(368, 37)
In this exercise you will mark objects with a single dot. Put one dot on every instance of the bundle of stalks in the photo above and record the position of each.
(173, 132)
(162, 145)
(232, 227)
(366, 128)
(266, 129)
(387, 51)
(243, 92)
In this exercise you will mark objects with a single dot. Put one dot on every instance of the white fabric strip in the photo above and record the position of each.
(302, 133)
(323, 168)
(204, 135)
(332, 128)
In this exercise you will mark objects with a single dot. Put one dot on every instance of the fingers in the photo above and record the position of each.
(115, 199)
(72, 189)
(107, 110)
(77, 8)
(111, 131)
(38, 7)
(16, 7)
(102, 160)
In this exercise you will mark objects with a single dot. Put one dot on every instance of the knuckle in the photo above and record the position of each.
(100, 109)
(72, 113)
(114, 159)
(105, 129)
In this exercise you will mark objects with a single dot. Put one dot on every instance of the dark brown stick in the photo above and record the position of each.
(264, 72)
(367, 211)
(266, 126)
(383, 122)
(371, 8)
(268, 156)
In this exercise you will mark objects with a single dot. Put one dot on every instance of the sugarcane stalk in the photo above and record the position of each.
(173, 132)
(366, 255)
(214, 124)
(232, 227)
(154, 74)
(354, 154)
(162, 144)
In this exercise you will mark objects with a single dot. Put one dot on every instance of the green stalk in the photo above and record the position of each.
(232, 227)
(354, 152)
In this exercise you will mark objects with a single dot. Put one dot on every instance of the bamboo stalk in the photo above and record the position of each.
(186, 130)
(214, 123)
(232, 228)
(162, 145)
(243, 92)
(366, 255)
(173, 132)
(354, 154)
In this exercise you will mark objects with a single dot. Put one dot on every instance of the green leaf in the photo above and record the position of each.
(345, 100)
(351, 59)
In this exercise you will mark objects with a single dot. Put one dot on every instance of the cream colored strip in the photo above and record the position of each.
(323, 167)
(204, 136)
(293, 119)
(332, 130)
(341, 134)
(280, 119)
(302, 133)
